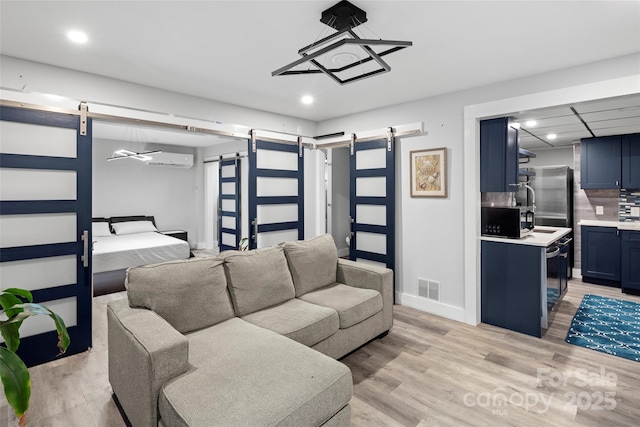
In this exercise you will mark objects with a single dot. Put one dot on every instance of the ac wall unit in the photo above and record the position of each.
(176, 160)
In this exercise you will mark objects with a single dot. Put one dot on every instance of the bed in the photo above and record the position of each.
(129, 241)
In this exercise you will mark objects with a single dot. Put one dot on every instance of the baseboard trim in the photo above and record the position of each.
(576, 273)
(432, 307)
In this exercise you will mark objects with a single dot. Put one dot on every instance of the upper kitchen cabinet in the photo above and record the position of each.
(600, 162)
(498, 156)
(631, 161)
(610, 162)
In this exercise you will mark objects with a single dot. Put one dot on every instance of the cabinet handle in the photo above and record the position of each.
(617, 182)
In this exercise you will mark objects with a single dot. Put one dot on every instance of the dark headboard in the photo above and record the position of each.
(115, 219)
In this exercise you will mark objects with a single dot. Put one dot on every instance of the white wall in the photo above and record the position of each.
(37, 77)
(32, 77)
(431, 232)
(552, 157)
(129, 187)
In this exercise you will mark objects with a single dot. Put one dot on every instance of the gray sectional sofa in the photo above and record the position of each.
(245, 338)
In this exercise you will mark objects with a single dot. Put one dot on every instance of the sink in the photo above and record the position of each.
(537, 230)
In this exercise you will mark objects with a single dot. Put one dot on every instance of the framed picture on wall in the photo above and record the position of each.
(429, 172)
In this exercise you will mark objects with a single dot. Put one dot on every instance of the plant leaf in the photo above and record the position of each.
(63, 334)
(11, 335)
(18, 317)
(25, 294)
(32, 309)
(16, 381)
(10, 303)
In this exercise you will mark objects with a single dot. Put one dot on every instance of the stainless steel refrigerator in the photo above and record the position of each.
(553, 187)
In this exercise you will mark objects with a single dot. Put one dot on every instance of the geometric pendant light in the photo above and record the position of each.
(343, 56)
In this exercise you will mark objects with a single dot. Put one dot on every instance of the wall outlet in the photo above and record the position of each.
(599, 210)
(635, 211)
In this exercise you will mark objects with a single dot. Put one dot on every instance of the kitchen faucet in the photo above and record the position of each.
(533, 194)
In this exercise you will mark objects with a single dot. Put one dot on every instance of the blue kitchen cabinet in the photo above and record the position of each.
(610, 162)
(601, 255)
(511, 279)
(630, 260)
(600, 162)
(631, 161)
(498, 156)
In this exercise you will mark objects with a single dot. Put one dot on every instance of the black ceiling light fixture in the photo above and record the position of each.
(344, 56)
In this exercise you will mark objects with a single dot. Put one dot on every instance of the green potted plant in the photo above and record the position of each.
(244, 244)
(17, 305)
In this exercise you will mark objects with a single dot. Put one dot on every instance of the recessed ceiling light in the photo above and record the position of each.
(77, 37)
(552, 136)
(307, 99)
(531, 123)
(515, 125)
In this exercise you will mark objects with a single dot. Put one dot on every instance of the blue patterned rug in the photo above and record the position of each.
(608, 325)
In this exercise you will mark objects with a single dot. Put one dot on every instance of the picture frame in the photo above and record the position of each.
(428, 172)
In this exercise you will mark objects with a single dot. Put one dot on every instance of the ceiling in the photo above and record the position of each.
(570, 123)
(226, 50)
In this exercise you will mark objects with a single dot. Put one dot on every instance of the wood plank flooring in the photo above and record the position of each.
(428, 371)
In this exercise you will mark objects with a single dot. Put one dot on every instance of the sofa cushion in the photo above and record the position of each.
(352, 304)
(189, 294)
(301, 321)
(313, 262)
(249, 376)
(258, 279)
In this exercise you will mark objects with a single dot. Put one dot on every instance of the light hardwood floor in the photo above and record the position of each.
(427, 371)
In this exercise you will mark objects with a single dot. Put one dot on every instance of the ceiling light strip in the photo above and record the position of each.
(582, 120)
(537, 137)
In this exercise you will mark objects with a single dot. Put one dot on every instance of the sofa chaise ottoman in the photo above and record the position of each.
(245, 338)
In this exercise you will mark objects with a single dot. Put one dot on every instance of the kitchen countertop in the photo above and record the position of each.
(543, 237)
(634, 226)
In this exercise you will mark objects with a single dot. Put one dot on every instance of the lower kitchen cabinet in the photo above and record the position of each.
(630, 260)
(601, 255)
(511, 286)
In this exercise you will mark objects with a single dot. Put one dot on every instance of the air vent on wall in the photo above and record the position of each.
(175, 160)
(429, 289)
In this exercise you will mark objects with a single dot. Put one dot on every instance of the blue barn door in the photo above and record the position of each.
(276, 192)
(229, 204)
(45, 223)
(372, 200)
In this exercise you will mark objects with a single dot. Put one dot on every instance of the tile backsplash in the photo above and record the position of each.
(629, 205)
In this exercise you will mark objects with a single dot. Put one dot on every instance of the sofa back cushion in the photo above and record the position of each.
(189, 294)
(258, 279)
(313, 263)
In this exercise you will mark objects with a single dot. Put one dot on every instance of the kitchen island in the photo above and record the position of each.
(514, 280)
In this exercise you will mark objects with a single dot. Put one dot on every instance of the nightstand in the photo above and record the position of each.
(178, 234)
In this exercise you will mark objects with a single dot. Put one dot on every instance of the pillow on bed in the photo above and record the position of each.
(100, 229)
(132, 227)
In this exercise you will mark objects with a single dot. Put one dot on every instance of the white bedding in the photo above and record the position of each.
(130, 250)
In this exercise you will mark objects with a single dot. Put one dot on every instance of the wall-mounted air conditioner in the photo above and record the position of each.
(176, 160)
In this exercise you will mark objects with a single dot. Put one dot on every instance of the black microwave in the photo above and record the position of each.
(506, 221)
